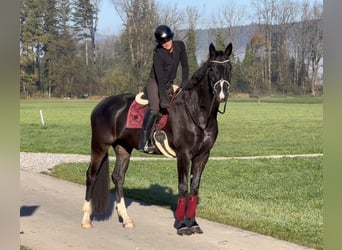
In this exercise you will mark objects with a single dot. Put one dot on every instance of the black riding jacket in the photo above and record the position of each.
(165, 64)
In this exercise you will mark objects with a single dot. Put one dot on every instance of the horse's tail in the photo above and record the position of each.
(100, 193)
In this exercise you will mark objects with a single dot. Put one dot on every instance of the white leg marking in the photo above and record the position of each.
(122, 212)
(87, 210)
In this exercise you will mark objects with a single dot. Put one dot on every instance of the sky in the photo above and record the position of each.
(109, 22)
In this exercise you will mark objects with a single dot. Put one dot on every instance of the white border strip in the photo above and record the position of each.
(231, 158)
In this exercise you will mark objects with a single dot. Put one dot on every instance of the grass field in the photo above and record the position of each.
(247, 128)
(277, 197)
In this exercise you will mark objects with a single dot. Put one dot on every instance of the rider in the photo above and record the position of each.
(167, 55)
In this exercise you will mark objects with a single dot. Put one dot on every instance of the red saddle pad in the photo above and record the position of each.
(135, 116)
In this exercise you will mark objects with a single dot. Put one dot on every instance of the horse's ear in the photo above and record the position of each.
(212, 50)
(228, 50)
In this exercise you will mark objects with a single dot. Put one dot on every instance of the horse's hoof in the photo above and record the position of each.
(195, 229)
(87, 225)
(128, 224)
(182, 229)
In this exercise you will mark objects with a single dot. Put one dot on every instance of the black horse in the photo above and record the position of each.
(191, 130)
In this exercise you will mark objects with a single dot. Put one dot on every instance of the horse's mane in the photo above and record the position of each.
(198, 75)
(200, 72)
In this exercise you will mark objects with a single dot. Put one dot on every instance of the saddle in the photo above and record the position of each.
(135, 118)
(136, 113)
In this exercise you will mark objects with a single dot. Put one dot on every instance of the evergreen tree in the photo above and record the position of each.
(85, 19)
(219, 40)
(252, 65)
(66, 74)
(192, 16)
(31, 44)
(50, 31)
(191, 50)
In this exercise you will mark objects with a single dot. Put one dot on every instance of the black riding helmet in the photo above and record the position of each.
(163, 33)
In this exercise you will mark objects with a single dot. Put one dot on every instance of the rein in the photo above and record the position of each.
(218, 110)
(224, 108)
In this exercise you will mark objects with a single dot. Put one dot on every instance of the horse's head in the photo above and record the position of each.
(220, 72)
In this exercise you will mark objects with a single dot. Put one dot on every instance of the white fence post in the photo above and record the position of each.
(42, 117)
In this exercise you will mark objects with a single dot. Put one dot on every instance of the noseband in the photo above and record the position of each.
(220, 82)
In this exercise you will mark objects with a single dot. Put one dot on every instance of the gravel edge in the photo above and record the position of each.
(38, 162)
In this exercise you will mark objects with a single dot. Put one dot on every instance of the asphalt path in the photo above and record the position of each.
(51, 213)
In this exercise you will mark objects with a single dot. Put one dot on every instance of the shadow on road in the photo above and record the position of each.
(27, 210)
(154, 195)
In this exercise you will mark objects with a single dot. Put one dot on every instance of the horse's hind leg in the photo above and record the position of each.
(121, 165)
(96, 197)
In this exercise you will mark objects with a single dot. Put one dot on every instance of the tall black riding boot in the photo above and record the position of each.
(145, 143)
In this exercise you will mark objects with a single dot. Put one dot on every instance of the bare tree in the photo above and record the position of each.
(231, 16)
(265, 12)
(253, 69)
(171, 16)
(310, 45)
(285, 15)
(139, 20)
(316, 44)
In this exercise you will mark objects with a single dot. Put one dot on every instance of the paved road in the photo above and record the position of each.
(50, 217)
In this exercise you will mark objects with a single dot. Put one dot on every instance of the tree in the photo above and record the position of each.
(106, 55)
(192, 15)
(265, 12)
(219, 40)
(85, 21)
(231, 16)
(285, 15)
(139, 20)
(62, 63)
(217, 31)
(94, 27)
(308, 47)
(50, 30)
(173, 17)
(238, 82)
(253, 64)
(31, 44)
(315, 38)
(284, 53)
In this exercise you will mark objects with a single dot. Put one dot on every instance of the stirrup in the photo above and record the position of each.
(149, 147)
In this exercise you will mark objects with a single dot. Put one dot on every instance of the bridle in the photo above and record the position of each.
(213, 86)
(221, 82)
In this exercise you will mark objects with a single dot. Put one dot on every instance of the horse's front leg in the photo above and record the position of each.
(183, 164)
(118, 177)
(197, 167)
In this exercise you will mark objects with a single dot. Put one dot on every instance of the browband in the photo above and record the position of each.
(214, 61)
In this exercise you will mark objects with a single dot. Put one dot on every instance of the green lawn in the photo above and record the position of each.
(247, 128)
(277, 197)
